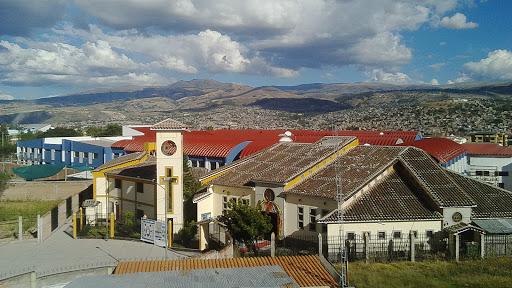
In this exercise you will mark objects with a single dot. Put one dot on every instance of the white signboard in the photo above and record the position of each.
(147, 230)
(153, 232)
(160, 235)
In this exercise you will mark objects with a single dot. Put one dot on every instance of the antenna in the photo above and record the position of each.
(339, 198)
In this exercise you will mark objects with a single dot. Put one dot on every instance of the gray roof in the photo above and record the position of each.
(495, 226)
(262, 276)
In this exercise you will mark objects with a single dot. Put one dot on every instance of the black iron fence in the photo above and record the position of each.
(371, 248)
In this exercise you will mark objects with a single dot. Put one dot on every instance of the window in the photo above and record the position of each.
(140, 187)
(397, 234)
(501, 173)
(76, 154)
(300, 217)
(415, 233)
(312, 220)
(224, 203)
(381, 235)
(140, 214)
(86, 155)
(245, 201)
(501, 185)
(117, 183)
(201, 164)
(486, 173)
(351, 235)
(94, 155)
(429, 233)
(213, 165)
(324, 226)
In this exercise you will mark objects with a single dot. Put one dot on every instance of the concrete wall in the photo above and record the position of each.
(39, 190)
(31, 279)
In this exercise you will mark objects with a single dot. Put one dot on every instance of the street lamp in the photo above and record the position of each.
(166, 180)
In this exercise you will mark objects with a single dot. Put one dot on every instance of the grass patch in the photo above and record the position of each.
(28, 210)
(10, 210)
(494, 272)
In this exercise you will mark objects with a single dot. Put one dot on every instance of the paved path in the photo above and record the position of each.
(60, 252)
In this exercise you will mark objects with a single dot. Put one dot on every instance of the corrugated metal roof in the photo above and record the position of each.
(495, 226)
(444, 150)
(261, 276)
(304, 270)
(487, 149)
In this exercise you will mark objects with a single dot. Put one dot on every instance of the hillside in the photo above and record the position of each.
(451, 109)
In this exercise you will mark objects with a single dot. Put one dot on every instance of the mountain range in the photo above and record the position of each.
(198, 95)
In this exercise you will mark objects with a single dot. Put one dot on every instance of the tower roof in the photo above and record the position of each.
(169, 124)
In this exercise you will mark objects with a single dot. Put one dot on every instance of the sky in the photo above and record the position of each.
(57, 47)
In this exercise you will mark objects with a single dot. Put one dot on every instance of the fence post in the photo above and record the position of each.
(457, 247)
(272, 245)
(482, 246)
(112, 225)
(411, 246)
(74, 225)
(366, 248)
(81, 219)
(39, 228)
(319, 244)
(20, 228)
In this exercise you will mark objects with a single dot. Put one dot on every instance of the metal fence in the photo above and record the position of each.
(10, 229)
(374, 248)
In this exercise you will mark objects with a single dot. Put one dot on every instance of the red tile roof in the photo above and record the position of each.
(218, 143)
(444, 150)
(487, 149)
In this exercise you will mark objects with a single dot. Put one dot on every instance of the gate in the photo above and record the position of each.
(55, 218)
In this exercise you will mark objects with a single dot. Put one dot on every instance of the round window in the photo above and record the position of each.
(168, 147)
(269, 195)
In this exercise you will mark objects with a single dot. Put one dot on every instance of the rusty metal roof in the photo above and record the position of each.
(306, 271)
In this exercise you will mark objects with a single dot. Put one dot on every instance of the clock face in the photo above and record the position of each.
(457, 217)
(168, 147)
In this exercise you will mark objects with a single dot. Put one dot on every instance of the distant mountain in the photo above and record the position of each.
(201, 95)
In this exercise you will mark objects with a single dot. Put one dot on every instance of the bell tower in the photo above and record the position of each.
(169, 172)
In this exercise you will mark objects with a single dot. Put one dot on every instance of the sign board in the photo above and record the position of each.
(147, 230)
(160, 235)
(153, 232)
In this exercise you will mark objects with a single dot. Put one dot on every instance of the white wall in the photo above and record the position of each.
(333, 230)
(492, 164)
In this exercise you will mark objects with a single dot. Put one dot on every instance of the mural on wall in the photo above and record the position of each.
(269, 206)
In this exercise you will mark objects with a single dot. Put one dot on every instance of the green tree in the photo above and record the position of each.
(112, 130)
(58, 132)
(246, 224)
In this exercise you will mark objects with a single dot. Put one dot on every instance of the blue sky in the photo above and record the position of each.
(56, 47)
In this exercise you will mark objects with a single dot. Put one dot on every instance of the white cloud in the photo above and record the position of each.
(457, 21)
(58, 63)
(327, 76)
(437, 66)
(497, 66)
(461, 79)
(378, 75)
(6, 97)
(434, 82)
(384, 48)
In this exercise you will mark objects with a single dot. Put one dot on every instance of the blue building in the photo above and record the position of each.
(82, 151)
